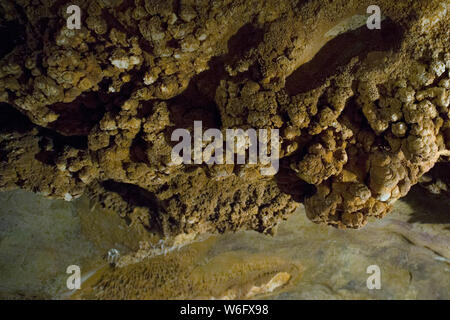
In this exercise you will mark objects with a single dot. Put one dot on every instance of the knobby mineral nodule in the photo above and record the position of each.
(237, 142)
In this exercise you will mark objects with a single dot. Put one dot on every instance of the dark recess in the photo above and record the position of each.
(339, 51)
(12, 34)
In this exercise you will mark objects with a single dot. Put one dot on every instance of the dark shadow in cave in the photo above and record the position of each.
(138, 197)
(138, 150)
(289, 183)
(12, 120)
(339, 51)
(201, 90)
(431, 208)
(132, 194)
(247, 37)
(81, 115)
(12, 34)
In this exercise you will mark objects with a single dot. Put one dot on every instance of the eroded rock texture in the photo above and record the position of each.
(363, 114)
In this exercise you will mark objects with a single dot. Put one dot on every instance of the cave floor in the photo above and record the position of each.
(40, 238)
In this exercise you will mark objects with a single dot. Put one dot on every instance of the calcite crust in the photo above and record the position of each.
(363, 114)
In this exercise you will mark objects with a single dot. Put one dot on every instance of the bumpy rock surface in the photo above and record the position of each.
(363, 114)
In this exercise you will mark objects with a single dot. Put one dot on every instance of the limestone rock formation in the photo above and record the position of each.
(363, 114)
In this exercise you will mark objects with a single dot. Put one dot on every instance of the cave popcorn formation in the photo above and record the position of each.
(363, 114)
